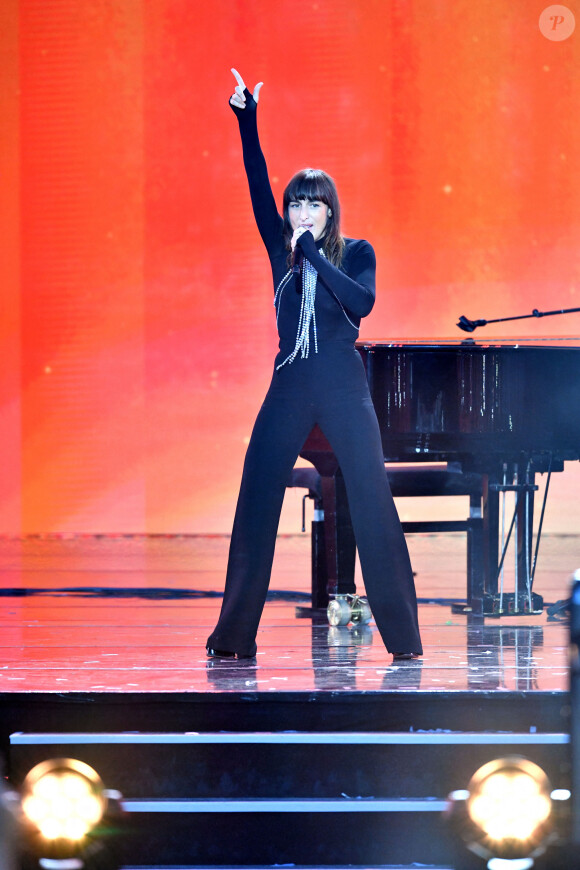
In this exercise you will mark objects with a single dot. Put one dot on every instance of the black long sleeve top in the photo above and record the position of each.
(343, 295)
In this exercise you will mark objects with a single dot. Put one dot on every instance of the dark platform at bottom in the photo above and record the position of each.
(129, 661)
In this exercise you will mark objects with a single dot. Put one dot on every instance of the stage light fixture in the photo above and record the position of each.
(509, 801)
(63, 798)
(64, 804)
(505, 814)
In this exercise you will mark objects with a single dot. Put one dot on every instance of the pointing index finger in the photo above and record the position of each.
(239, 79)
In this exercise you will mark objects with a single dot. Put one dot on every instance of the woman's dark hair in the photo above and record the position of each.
(311, 185)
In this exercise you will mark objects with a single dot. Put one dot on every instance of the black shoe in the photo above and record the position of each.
(225, 654)
(405, 657)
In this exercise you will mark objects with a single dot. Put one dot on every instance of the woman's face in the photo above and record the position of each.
(311, 214)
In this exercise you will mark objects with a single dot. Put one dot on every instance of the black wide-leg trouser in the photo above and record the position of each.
(328, 388)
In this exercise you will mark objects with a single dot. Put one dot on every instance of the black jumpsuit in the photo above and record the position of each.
(327, 387)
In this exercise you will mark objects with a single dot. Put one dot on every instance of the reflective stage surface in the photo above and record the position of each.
(131, 614)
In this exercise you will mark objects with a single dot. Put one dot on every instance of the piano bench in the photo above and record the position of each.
(406, 481)
(333, 545)
(429, 480)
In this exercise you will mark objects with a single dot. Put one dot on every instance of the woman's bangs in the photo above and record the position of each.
(311, 187)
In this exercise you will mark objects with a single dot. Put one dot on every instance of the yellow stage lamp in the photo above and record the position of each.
(506, 811)
(64, 799)
(509, 799)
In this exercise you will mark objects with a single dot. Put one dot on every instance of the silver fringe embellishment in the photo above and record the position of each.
(307, 315)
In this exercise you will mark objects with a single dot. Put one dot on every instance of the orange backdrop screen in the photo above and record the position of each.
(137, 329)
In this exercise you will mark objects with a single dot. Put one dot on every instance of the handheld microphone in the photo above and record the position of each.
(297, 260)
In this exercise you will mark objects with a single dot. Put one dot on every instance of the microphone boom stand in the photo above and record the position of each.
(470, 325)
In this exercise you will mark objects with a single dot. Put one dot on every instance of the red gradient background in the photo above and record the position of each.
(137, 330)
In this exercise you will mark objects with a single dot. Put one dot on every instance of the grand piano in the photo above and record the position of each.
(496, 413)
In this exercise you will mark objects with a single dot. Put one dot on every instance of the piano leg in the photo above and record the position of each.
(524, 538)
(490, 546)
(340, 543)
(516, 537)
(475, 572)
(319, 570)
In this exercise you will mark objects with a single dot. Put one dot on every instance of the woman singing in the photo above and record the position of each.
(323, 285)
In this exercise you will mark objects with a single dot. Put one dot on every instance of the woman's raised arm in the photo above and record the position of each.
(269, 222)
